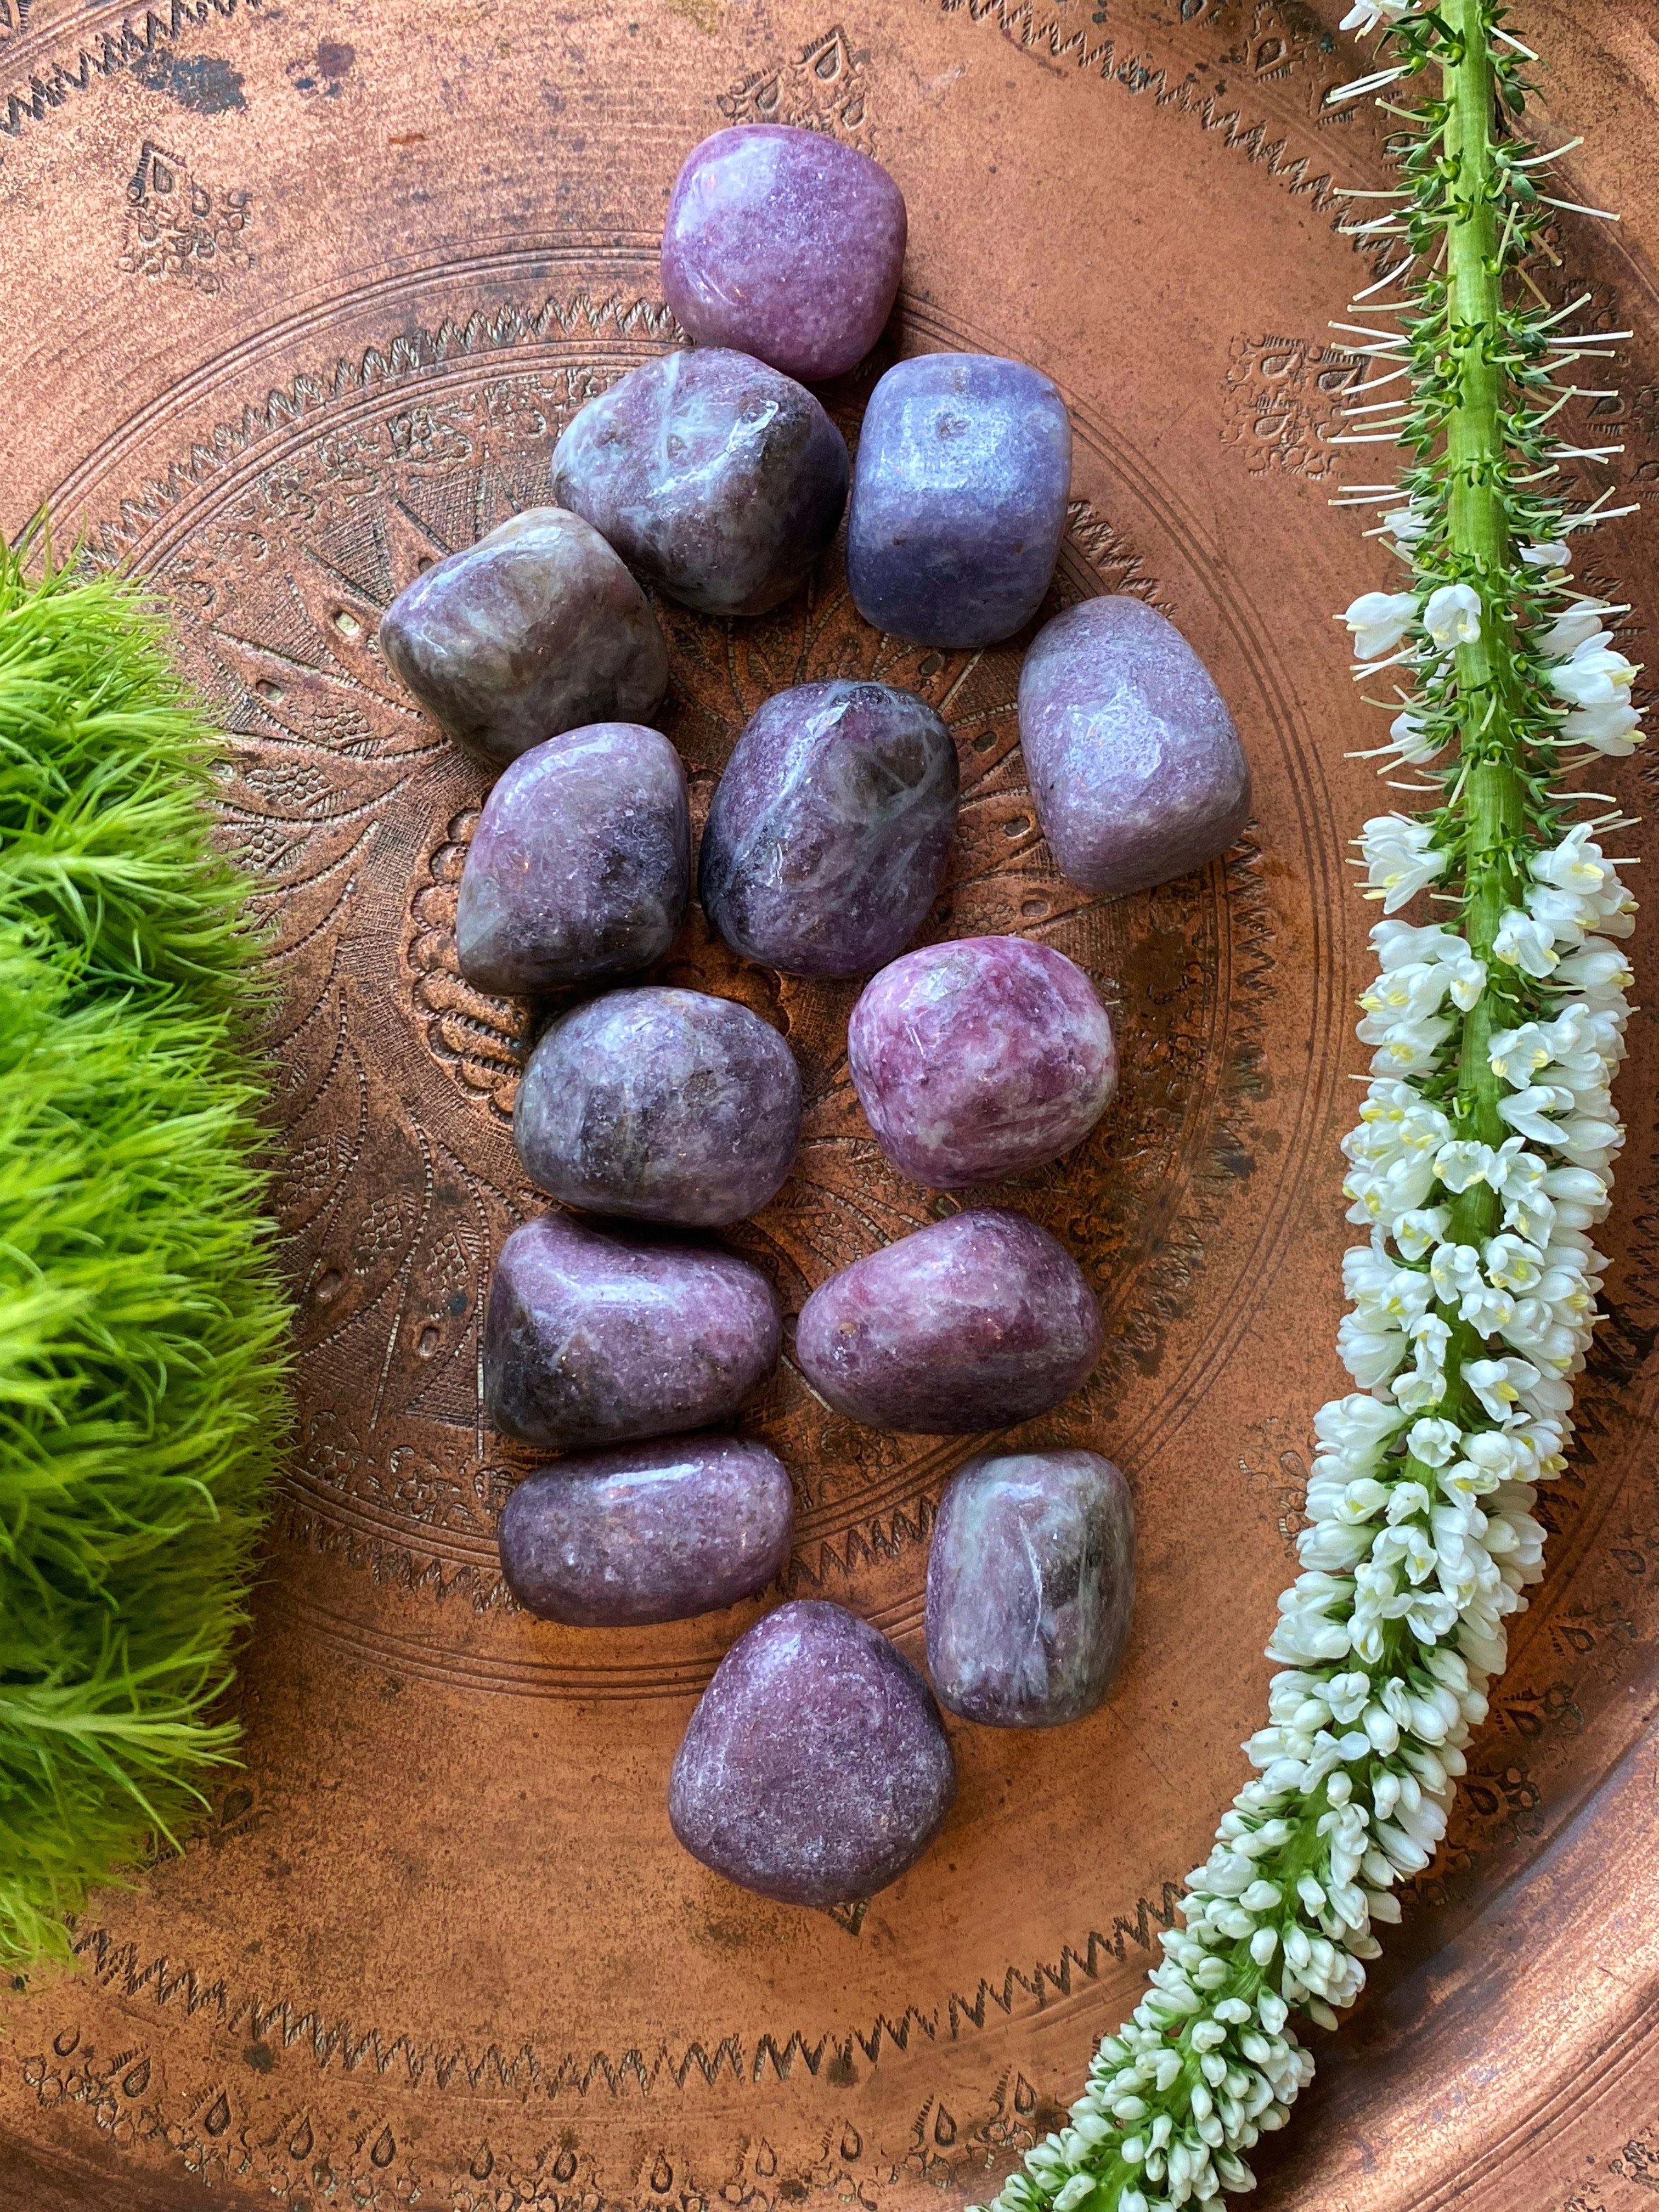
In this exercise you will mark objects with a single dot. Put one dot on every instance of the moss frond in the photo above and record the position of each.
(142, 1321)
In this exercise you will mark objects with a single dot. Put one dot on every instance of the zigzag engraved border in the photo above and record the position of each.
(116, 51)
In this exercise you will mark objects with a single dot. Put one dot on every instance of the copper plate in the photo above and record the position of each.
(297, 297)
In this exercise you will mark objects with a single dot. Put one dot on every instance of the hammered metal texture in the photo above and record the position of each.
(297, 297)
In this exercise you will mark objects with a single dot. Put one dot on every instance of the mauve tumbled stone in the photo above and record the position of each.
(648, 1532)
(537, 627)
(784, 244)
(660, 1105)
(830, 831)
(1135, 766)
(981, 1057)
(591, 1340)
(959, 499)
(976, 1322)
(716, 477)
(816, 1770)
(1030, 1583)
(580, 869)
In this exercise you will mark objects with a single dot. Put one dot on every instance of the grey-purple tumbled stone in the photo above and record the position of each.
(1030, 1583)
(1135, 766)
(648, 1532)
(959, 499)
(816, 1770)
(590, 1340)
(660, 1105)
(830, 831)
(976, 1322)
(785, 244)
(715, 477)
(580, 868)
(981, 1057)
(537, 627)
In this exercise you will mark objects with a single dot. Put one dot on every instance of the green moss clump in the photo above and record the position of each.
(141, 1320)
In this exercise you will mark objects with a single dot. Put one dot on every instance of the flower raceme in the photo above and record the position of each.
(1479, 1170)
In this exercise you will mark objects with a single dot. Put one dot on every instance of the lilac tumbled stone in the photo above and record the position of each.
(590, 1340)
(1030, 1583)
(580, 869)
(981, 1057)
(537, 627)
(1134, 763)
(976, 1322)
(830, 831)
(959, 499)
(784, 244)
(648, 1532)
(816, 1770)
(660, 1105)
(715, 477)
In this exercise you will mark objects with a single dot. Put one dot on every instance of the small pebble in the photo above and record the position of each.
(580, 869)
(714, 477)
(590, 1340)
(830, 833)
(648, 1532)
(660, 1105)
(959, 499)
(980, 1057)
(1135, 766)
(816, 1770)
(537, 627)
(1030, 1584)
(974, 1322)
(785, 244)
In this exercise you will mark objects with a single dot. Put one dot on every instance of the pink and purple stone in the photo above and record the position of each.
(1134, 763)
(1030, 1584)
(784, 244)
(591, 1340)
(959, 496)
(974, 1322)
(979, 1058)
(648, 1532)
(816, 1770)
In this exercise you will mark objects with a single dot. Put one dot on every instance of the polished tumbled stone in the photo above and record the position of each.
(974, 1322)
(830, 831)
(648, 1532)
(1135, 766)
(980, 1057)
(660, 1105)
(816, 1770)
(1030, 1584)
(580, 869)
(591, 1340)
(715, 477)
(959, 499)
(785, 244)
(537, 627)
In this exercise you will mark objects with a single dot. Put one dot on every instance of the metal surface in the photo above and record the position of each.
(297, 297)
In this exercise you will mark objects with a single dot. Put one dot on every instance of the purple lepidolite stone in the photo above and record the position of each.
(981, 1057)
(816, 1770)
(580, 869)
(537, 627)
(1134, 763)
(717, 477)
(1030, 1583)
(784, 244)
(959, 499)
(648, 1532)
(976, 1322)
(830, 831)
(589, 1340)
(660, 1105)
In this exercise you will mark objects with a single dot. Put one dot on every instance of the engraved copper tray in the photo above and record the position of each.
(296, 297)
